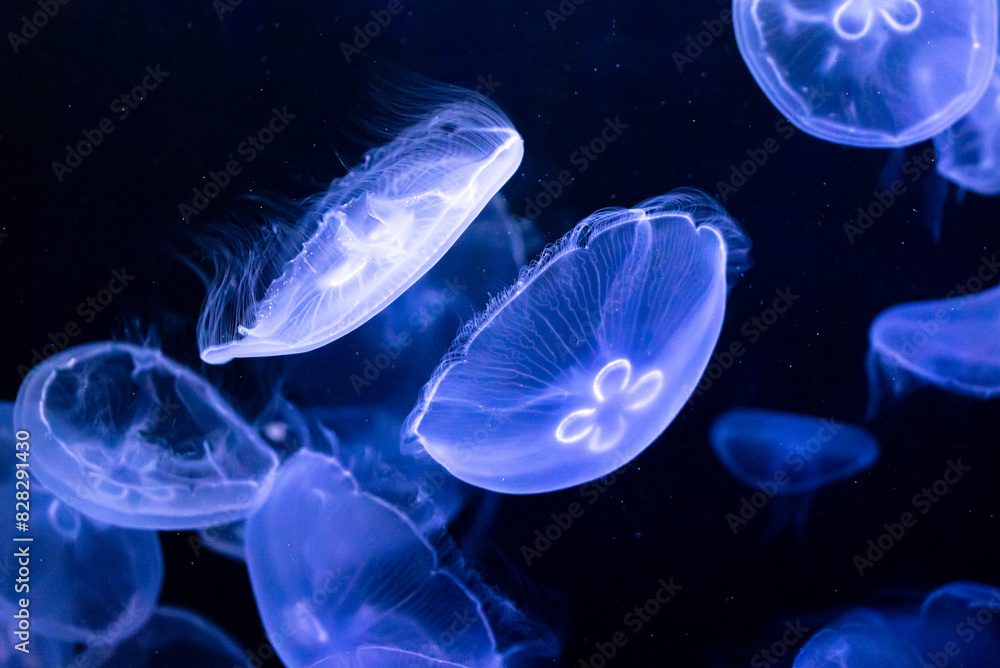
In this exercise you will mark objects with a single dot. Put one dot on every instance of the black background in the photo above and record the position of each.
(665, 517)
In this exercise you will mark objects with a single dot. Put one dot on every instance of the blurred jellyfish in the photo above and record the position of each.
(124, 567)
(964, 615)
(953, 626)
(367, 239)
(789, 456)
(951, 343)
(870, 73)
(969, 151)
(345, 579)
(585, 360)
(129, 437)
(173, 637)
(858, 646)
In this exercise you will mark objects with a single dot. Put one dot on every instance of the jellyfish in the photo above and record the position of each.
(962, 615)
(969, 150)
(172, 637)
(586, 359)
(950, 343)
(129, 437)
(787, 457)
(869, 73)
(367, 239)
(343, 578)
(124, 567)
(954, 623)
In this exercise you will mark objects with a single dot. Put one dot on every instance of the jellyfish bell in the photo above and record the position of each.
(129, 437)
(788, 457)
(371, 236)
(588, 357)
(803, 452)
(869, 73)
(969, 150)
(950, 343)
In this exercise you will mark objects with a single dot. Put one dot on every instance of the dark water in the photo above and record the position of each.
(211, 80)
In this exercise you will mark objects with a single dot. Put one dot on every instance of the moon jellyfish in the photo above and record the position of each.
(955, 623)
(124, 567)
(951, 343)
(344, 579)
(129, 437)
(368, 238)
(969, 151)
(789, 456)
(870, 73)
(587, 358)
(173, 637)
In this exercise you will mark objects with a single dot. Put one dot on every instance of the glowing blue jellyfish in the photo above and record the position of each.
(966, 615)
(953, 626)
(124, 567)
(873, 73)
(129, 437)
(788, 456)
(367, 239)
(969, 151)
(858, 646)
(799, 453)
(951, 343)
(173, 637)
(589, 356)
(344, 579)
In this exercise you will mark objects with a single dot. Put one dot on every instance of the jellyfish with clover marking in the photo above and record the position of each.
(869, 73)
(590, 355)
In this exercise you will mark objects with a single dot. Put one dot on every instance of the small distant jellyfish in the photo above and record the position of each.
(951, 343)
(789, 456)
(869, 73)
(131, 438)
(583, 362)
(969, 151)
(349, 582)
(371, 236)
